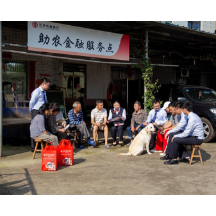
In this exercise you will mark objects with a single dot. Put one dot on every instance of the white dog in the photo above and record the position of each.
(141, 140)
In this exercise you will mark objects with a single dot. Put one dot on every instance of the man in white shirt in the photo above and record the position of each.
(156, 116)
(99, 120)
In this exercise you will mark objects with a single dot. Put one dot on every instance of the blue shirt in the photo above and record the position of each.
(181, 125)
(37, 126)
(193, 128)
(161, 117)
(75, 119)
(38, 98)
(123, 114)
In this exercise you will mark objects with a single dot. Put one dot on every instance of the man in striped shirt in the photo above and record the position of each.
(99, 120)
(75, 116)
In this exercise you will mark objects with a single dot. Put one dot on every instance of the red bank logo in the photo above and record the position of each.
(35, 24)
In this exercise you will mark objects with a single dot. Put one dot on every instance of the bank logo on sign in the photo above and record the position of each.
(35, 24)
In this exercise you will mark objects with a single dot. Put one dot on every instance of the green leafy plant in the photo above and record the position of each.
(150, 87)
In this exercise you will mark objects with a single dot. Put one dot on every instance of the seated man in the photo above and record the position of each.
(99, 120)
(156, 116)
(139, 116)
(192, 135)
(118, 124)
(178, 129)
(75, 116)
(161, 143)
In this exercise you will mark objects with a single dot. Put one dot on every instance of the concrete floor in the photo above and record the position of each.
(101, 171)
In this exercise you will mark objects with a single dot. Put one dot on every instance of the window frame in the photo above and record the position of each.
(192, 23)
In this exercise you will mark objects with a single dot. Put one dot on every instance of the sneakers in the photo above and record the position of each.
(153, 150)
(162, 154)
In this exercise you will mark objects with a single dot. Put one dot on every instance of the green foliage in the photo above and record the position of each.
(151, 88)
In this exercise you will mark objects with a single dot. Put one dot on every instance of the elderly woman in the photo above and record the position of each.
(118, 114)
(37, 127)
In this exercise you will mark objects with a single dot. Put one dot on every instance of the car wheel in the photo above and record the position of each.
(209, 133)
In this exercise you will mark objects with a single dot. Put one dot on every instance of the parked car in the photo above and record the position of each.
(203, 100)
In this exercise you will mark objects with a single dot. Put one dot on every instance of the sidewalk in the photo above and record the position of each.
(101, 171)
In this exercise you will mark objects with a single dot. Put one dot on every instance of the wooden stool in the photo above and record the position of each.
(37, 141)
(192, 155)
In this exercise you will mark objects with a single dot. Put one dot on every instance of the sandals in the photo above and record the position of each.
(91, 142)
(107, 146)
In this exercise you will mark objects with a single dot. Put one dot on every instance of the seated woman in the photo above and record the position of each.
(51, 122)
(37, 127)
(118, 124)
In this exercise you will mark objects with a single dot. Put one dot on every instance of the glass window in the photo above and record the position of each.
(14, 73)
(176, 93)
(125, 73)
(194, 25)
(198, 94)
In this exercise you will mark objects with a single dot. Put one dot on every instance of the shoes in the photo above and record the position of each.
(162, 154)
(166, 157)
(121, 144)
(81, 147)
(171, 161)
(157, 151)
(185, 160)
(152, 150)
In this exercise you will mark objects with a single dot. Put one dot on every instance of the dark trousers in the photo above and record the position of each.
(153, 137)
(169, 143)
(130, 135)
(33, 114)
(120, 130)
(177, 146)
(61, 136)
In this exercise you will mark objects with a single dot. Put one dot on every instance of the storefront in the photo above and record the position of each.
(84, 62)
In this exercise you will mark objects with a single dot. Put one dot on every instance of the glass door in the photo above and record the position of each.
(74, 82)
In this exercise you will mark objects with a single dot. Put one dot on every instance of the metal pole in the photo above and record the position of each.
(146, 48)
(1, 89)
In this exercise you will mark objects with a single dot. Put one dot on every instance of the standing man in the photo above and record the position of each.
(38, 98)
(192, 135)
(156, 116)
(75, 116)
(139, 116)
(99, 120)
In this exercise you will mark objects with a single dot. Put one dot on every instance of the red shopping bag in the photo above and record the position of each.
(65, 153)
(49, 158)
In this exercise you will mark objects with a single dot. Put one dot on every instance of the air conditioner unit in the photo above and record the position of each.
(185, 72)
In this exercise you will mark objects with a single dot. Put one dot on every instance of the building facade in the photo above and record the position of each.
(173, 50)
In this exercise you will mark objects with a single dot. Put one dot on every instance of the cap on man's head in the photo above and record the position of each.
(166, 104)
